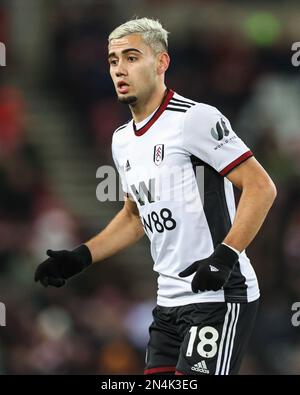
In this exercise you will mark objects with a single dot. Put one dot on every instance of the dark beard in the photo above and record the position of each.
(128, 100)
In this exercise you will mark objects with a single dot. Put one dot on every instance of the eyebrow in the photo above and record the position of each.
(125, 51)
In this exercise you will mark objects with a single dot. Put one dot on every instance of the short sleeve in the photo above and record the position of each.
(120, 171)
(207, 134)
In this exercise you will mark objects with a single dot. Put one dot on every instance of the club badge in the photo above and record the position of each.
(158, 155)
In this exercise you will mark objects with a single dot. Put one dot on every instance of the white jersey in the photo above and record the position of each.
(173, 165)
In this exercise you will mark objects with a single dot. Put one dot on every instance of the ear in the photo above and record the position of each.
(163, 61)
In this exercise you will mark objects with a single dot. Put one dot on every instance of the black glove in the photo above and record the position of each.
(62, 265)
(212, 272)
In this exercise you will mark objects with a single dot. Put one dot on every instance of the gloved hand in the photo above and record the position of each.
(62, 265)
(212, 272)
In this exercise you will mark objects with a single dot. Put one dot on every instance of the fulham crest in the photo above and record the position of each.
(158, 155)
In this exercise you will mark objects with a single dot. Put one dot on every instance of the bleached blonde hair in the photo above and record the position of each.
(151, 30)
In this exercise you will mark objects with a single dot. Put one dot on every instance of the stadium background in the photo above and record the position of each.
(57, 114)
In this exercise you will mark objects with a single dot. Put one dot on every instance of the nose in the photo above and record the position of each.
(120, 69)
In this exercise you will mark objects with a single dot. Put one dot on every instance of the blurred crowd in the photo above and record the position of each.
(99, 323)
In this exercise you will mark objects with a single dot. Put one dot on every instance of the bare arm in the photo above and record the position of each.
(258, 195)
(125, 229)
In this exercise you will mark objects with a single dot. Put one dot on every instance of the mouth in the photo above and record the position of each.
(122, 87)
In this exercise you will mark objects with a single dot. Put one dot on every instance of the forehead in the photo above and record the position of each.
(130, 41)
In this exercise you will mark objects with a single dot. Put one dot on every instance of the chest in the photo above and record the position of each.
(156, 153)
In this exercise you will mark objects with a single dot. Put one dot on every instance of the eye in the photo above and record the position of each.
(113, 62)
(132, 58)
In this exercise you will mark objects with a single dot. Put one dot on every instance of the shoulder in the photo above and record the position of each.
(122, 127)
(203, 120)
(120, 134)
(192, 109)
(180, 103)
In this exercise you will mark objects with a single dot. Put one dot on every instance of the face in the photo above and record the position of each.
(133, 68)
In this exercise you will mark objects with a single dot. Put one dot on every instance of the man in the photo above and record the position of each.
(207, 289)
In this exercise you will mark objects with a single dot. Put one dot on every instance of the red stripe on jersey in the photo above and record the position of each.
(157, 114)
(178, 373)
(161, 369)
(236, 162)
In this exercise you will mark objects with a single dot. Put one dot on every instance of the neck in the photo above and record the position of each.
(143, 109)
